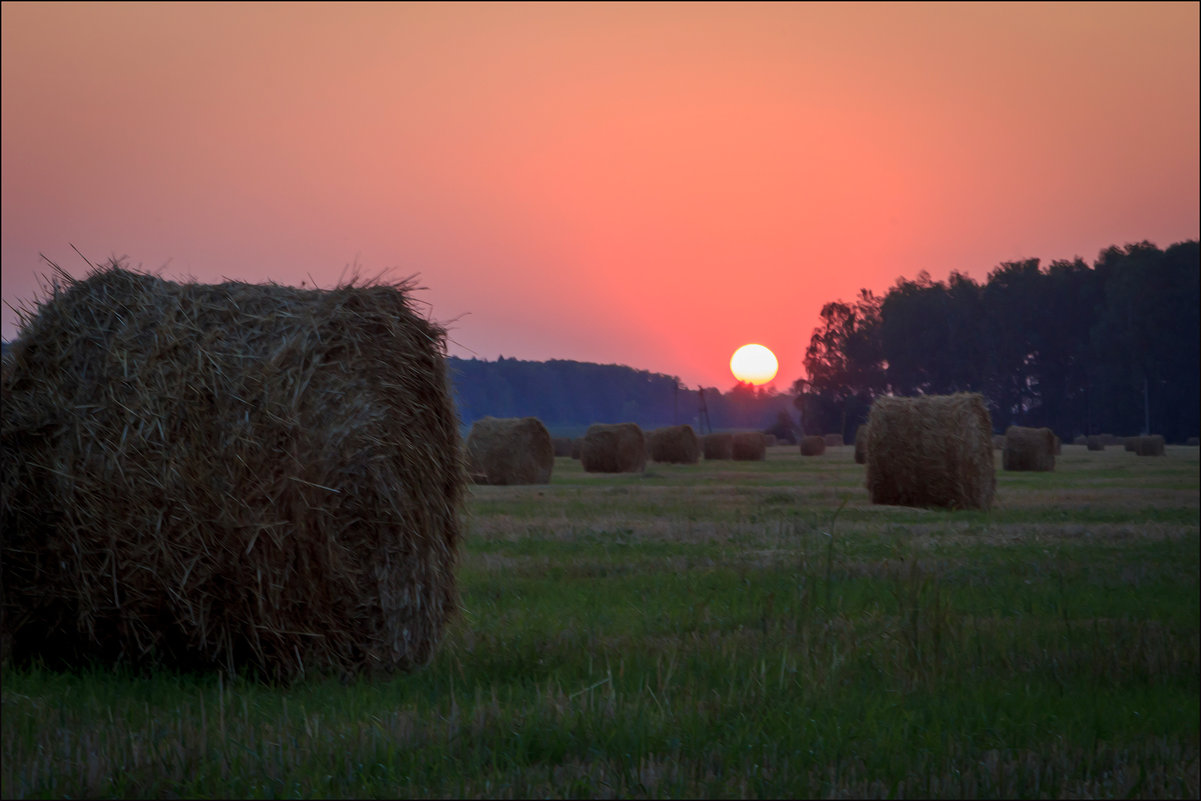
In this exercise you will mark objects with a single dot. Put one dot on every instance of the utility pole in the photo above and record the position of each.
(703, 420)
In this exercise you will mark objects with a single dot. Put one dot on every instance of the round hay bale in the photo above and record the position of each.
(998, 442)
(718, 446)
(248, 477)
(813, 445)
(1131, 444)
(1110, 440)
(1080, 440)
(562, 446)
(861, 444)
(749, 447)
(674, 444)
(1152, 445)
(931, 451)
(1031, 449)
(1094, 443)
(613, 448)
(509, 450)
(770, 440)
(833, 440)
(1193, 442)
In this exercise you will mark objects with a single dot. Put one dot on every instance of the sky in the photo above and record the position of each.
(633, 183)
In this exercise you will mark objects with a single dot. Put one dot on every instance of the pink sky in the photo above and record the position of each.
(644, 184)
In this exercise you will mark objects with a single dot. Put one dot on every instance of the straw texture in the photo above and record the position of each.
(509, 450)
(674, 445)
(931, 451)
(1030, 449)
(250, 477)
(613, 448)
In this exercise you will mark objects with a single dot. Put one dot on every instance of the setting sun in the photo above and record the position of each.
(754, 364)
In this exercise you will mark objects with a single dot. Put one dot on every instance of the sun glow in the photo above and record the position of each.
(754, 364)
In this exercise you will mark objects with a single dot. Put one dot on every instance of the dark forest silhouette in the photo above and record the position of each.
(1109, 348)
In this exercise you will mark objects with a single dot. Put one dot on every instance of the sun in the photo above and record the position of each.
(754, 364)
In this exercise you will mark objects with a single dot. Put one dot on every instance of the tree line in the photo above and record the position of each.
(568, 396)
(1111, 348)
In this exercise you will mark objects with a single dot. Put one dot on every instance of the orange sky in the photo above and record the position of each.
(645, 184)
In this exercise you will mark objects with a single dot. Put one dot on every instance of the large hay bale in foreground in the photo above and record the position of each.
(1031, 449)
(1152, 445)
(813, 445)
(861, 444)
(674, 445)
(749, 446)
(934, 450)
(613, 448)
(247, 477)
(718, 446)
(509, 450)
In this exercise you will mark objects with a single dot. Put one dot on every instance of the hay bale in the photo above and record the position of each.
(674, 444)
(1131, 444)
(613, 448)
(833, 440)
(562, 446)
(250, 477)
(1094, 443)
(1152, 445)
(509, 450)
(748, 446)
(1031, 449)
(1110, 440)
(1193, 442)
(1080, 440)
(813, 445)
(998, 442)
(718, 446)
(934, 450)
(861, 444)
(770, 440)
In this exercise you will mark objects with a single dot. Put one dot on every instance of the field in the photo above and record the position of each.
(727, 629)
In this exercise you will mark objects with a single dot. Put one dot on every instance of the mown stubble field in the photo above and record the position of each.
(727, 629)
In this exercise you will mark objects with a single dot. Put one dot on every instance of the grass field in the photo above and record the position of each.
(749, 629)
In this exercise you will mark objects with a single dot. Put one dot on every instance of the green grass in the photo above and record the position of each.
(718, 630)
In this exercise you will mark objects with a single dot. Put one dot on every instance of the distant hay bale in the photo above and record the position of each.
(613, 448)
(510, 450)
(1109, 440)
(1031, 449)
(998, 442)
(749, 447)
(718, 446)
(247, 477)
(674, 445)
(1080, 440)
(813, 445)
(1152, 445)
(861, 444)
(933, 450)
(833, 440)
(562, 446)
(1094, 443)
(770, 440)
(1131, 444)
(1193, 442)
